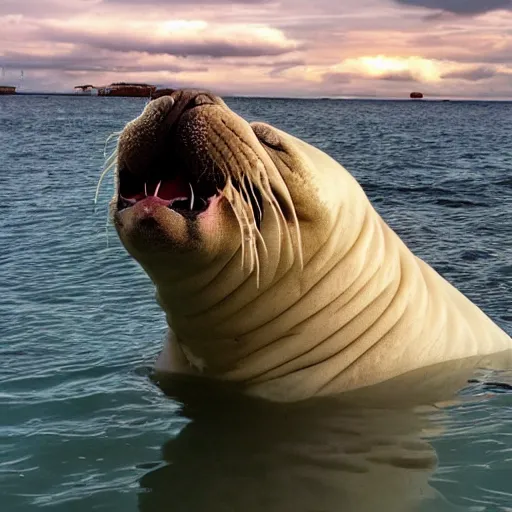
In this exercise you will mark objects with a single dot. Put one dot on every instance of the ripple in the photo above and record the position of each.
(81, 422)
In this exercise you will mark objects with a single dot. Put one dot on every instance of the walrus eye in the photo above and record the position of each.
(267, 136)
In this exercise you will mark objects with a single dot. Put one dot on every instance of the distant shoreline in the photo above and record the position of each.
(430, 99)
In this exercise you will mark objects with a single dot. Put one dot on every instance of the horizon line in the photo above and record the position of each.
(426, 97)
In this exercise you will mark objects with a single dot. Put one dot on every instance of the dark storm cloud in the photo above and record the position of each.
(463, 7)
(472, 75)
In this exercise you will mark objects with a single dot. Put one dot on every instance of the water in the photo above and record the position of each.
(83, 428)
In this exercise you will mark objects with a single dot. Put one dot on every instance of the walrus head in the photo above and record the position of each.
(227, 218)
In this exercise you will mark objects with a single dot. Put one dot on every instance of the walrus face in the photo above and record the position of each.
(212, 206)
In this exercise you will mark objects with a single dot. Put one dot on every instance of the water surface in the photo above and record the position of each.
(83, 428)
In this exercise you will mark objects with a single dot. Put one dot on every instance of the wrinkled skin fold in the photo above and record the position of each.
(272, 267)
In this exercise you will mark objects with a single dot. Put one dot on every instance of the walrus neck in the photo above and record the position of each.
(285, 323)
(362, 301)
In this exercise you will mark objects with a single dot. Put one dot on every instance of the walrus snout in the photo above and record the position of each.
(146, 140)
(165, 152)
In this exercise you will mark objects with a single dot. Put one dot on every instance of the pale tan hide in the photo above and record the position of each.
(345, 306)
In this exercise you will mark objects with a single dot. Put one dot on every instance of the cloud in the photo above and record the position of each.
(398, 76)
(492, 47)
(186, 2)
(182, 38)
(213, 48)
(336, 78)
(398, 69)
(463, 7)
(46, 8)
(69, 62)
(473, 75)
(82, 60)
(277, 68)
(264, 47)
(499, 55)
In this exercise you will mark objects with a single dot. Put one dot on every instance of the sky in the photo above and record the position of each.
(293, 48)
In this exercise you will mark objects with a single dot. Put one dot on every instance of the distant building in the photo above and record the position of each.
(123, 89)
(127, 90)
(88, 90)
(7, 89)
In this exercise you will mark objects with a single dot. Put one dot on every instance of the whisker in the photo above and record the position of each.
(253, 185)
(107, 169)
(108, 139)
(295, 220)
(269, 197)
(258, 233)
(227, 193)
(253, 229)
(110, 163)
(253, 194)
(248, 235)
(192, 197)
(299, 238)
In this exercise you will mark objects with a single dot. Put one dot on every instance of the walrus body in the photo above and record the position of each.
(273, 268)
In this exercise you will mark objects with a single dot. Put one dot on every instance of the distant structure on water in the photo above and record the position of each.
(7, 89)
(416, 95)
(117, 89)
(86, 90)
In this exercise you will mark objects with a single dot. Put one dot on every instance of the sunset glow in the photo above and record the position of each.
(260, 47)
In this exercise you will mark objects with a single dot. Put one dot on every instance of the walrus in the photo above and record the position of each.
(273, 269)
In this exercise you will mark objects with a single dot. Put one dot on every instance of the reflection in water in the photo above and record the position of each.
(324, 455)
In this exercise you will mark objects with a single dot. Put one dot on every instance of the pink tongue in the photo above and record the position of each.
(167, 190)
(172, 189)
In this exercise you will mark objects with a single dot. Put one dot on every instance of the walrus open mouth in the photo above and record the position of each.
(189, 153)
(166, 159)
(186, 196)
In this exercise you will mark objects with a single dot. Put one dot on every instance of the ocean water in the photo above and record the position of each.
(83, 428)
